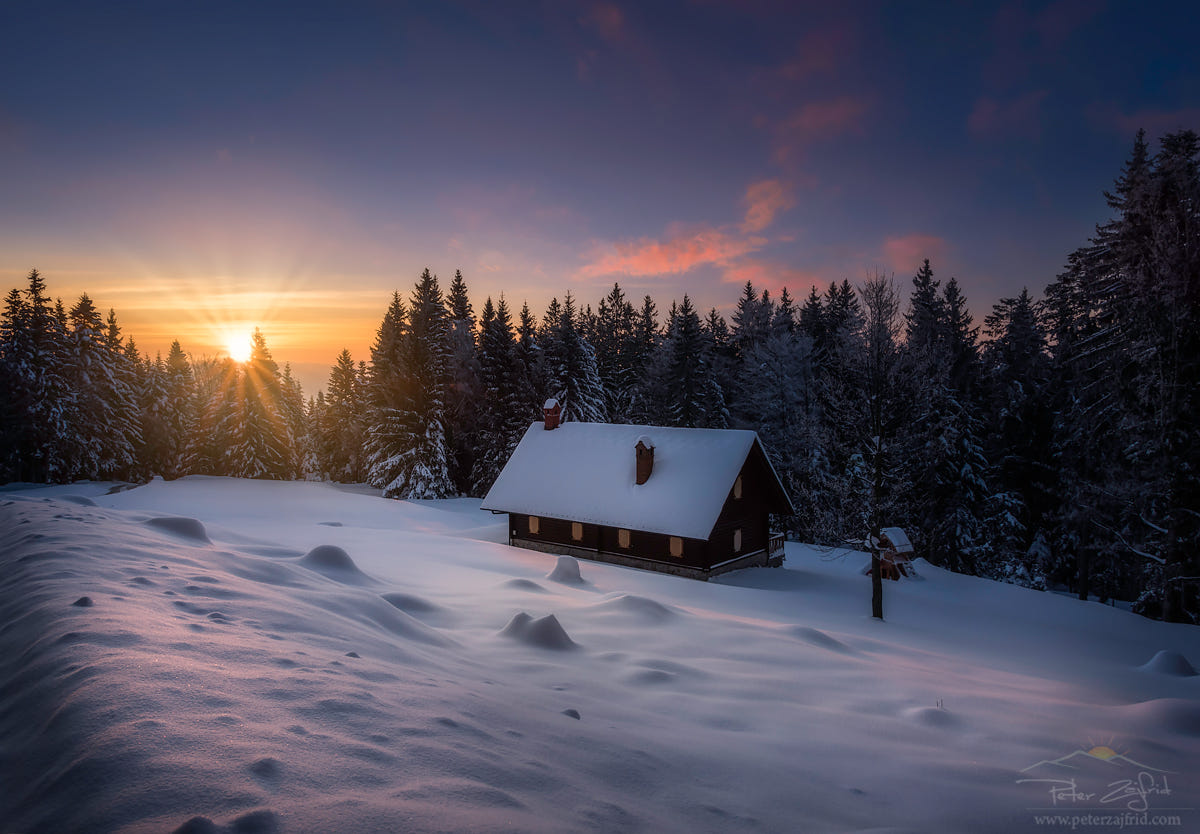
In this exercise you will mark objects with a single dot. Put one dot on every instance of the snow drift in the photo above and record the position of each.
(246, 666)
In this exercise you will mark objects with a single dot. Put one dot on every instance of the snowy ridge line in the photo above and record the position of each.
(38, 725)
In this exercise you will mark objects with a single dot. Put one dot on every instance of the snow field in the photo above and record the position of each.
(263, 656)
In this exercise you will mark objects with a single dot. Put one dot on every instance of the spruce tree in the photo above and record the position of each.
(505, 415)
(263, 440)
(340, 427)
(688, 391)
(178, 412)
(462, 385)
(407, 452)
(570, 367)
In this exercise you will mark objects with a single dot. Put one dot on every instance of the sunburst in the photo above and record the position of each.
(238, 346)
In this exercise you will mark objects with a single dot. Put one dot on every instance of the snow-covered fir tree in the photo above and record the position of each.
(689, 393)
(406, 439)
(263, 443)
(340, 424)
(569, 365)
(507, 415)
(462, 384)
(39, 398)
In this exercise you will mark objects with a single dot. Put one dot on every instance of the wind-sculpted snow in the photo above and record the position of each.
(184, 528)
(637, 608)
(542, 633)
(566, 571)
(1170, 663)
(242, 667)
(331, 561)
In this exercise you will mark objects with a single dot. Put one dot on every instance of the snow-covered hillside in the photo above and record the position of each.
(216, 654)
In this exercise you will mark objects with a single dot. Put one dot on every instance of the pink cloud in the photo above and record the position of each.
(764, 200)
(681, 252)
(1018, 117)
(818, 121)
(905, 253)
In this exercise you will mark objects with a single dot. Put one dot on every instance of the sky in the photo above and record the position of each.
(208, 168)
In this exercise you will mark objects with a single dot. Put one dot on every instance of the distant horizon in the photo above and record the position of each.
(313, 374)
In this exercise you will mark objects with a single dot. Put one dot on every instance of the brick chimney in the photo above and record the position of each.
(552, 413)
(644, 454)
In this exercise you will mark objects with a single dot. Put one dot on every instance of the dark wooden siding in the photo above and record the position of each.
(748, 513)
(595, 537)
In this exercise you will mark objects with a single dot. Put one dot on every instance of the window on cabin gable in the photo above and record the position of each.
(737, 540)
(676, 546)
(576, 531)
(737, 487)
(623, 538)
(534, 524)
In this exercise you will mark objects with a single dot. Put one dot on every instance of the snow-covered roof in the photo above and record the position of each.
(586, 472)
(898, 538)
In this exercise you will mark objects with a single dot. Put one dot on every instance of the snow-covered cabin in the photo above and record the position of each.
(693, 502)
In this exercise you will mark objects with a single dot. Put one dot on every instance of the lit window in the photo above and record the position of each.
(676, 546)
(623, 538)
(737, 540)
(577, 531)
(737, 487)
(533, 524)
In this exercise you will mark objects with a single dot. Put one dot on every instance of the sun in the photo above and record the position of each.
(1102, 752)
(238, 347)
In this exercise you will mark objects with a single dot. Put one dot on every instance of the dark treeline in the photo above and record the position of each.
(1059, 447)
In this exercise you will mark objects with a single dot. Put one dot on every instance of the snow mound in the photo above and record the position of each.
(651, 677)
(331, 561)
(412, 604)
(566, 571)
(421, 608)
(544, 633)
(1169, 663)
(268, 769)
(644, 608)
(255, 822)
(525, 585)
(818, 638)
(81, 500)
(181, 527)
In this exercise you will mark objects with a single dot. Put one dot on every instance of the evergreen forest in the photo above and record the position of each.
(1055, 444)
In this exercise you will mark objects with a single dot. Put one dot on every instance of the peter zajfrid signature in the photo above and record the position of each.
(1133, 792)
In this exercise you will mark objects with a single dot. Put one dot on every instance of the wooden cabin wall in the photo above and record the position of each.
(596, 537)
(750, 513)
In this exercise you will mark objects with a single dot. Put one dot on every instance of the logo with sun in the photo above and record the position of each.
(1094, 753)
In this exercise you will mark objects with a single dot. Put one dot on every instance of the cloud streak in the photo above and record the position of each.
(764, 200)
(682, 251)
